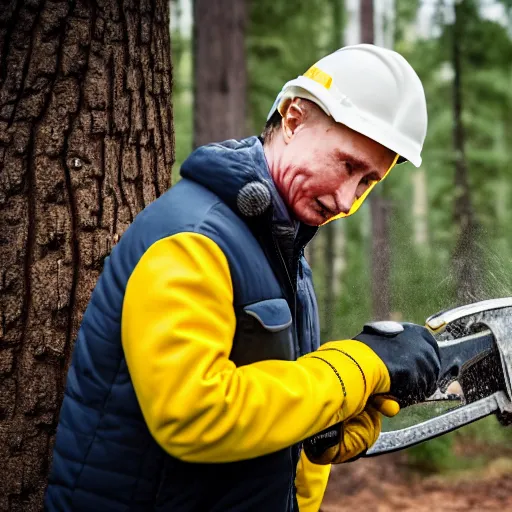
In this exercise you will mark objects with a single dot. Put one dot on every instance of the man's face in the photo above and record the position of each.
(325, 166)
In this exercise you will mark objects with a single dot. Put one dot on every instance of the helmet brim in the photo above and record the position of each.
(344, 111)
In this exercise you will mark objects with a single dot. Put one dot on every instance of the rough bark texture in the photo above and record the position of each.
(465, 257)
(220, 74)
(85, 143)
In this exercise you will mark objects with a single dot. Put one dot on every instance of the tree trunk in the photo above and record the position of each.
(380, 251)
(85, 143)
(367, 25)
(420, 209)
(465, 257)
(329, 296)
(220, 74)
(381, 258)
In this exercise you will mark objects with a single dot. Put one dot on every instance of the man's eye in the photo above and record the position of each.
(368, 180)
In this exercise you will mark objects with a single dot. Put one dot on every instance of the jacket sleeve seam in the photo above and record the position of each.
(353, 360)
(335, 372)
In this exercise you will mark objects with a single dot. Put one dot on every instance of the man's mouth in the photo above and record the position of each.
(324, 210)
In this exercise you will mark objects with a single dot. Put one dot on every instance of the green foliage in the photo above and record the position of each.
(182, 110)
(469, 447)
(421, 277)
(433, 456)
(182, 91)
(284, 40)
(354, 308)
(404, 16)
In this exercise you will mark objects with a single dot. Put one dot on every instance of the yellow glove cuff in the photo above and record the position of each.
(360, 371)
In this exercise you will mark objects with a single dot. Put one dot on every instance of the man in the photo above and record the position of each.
(196, 374)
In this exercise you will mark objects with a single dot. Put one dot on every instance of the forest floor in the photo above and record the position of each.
(385, 484)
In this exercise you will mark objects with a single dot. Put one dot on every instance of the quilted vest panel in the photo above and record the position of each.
(104, 457)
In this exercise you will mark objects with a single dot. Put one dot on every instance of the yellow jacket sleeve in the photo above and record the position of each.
(177, 330)
(311, 482)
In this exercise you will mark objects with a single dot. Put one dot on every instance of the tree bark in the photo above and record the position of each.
(220, 74)
(465, 256)
(85, 143)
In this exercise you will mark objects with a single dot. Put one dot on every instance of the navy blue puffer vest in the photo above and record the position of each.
(105, 459)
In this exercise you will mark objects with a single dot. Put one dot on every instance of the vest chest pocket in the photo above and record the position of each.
(263, 331)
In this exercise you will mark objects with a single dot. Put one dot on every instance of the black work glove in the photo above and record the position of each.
(411, 355)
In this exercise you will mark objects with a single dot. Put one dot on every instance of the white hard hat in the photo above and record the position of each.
(372, 90)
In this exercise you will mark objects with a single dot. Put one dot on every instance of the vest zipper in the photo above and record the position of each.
(280, 254)
(293, 286)
(295, 450)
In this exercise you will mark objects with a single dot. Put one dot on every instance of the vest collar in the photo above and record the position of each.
(237, 172)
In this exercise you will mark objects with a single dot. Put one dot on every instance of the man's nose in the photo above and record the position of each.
(345, 196)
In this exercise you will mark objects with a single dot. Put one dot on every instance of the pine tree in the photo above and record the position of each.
(86, 142)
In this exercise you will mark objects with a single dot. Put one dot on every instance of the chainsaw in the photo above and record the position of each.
(475, 345)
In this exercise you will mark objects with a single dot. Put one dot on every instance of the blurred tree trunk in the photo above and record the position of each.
(420, 208)
(367, 25)
(466, 254)
(406, 16)
(329, 308)
(381, 257)
(379, 206)
(220, 74)
(310, 253)
(333, 254)
(85, 143)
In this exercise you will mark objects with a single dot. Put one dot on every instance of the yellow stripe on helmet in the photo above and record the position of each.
(319, 76)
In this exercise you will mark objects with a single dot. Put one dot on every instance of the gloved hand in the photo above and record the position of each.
(362, 375)
(359, 371)
(406, 367)
(345, 441)
(411, 355)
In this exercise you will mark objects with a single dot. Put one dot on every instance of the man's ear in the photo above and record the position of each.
(294, 115)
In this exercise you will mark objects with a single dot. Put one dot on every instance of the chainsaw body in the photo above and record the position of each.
(475, 343)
